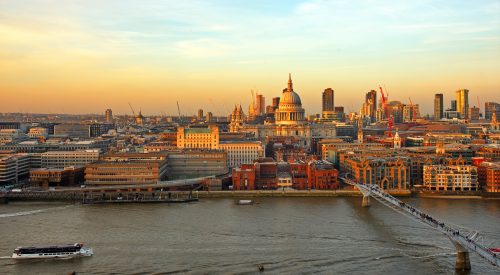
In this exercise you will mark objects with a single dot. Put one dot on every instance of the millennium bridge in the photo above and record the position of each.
(464, 242)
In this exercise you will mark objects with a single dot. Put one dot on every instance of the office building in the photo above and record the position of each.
(462, 98)
(198, 138)
(55, 177)
(260, 104)
(410, 112)
(473, 113)
(99, 129)
(209, 117)
(453, 106)
(109, 116)
(38, 132)
(62, 159)
(14, 167)
(72, 130)
(438, 107)
(10, 125)
(191, 163)
(125, 172)
(276, 102)
(490, 108)
(328, 100)
(127, 169)
(10, 136)
(369, 108)
(242, 152)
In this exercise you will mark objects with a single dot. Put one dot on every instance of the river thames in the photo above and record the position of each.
(216, 236)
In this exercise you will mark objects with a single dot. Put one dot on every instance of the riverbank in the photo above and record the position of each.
(290, 193)
(347, 192)
(456, 195)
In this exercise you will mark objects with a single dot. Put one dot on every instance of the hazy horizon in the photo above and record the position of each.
(82, 57)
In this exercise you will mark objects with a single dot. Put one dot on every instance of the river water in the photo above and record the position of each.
(215, 236)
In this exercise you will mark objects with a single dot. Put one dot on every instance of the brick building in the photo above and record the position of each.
(388, 172)
(489, 176)
(300, 175)
(48, 177)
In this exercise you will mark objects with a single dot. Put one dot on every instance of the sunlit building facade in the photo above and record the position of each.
(198, 138)
(450, 178)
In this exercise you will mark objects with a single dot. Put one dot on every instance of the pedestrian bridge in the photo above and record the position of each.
(463, 241)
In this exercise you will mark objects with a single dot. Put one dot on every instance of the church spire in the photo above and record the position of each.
(290, 84)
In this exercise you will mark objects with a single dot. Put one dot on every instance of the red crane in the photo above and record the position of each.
(388, 116)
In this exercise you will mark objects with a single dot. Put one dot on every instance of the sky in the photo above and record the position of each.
(86, 56)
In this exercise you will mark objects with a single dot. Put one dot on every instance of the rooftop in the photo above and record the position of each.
(197, 131)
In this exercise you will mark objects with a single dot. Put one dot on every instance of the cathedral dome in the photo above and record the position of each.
(290, 97)
(290, 109)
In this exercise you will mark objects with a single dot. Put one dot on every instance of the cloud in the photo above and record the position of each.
(307, 7)
(203, 47)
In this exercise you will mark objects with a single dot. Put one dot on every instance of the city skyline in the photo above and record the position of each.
(231, 136)
(85, 56)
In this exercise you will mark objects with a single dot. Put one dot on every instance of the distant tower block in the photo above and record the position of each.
(109, 116)
(462, 98)
(200, 114)
(438, 107)
(209, 117)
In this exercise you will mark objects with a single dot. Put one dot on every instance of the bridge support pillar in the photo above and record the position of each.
(463, 261)
(366, 201)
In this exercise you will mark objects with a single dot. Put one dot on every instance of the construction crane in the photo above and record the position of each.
(414, 111)
(479, 106)
(179, 111)
(386, 111)
(253, 98)
(133, 112)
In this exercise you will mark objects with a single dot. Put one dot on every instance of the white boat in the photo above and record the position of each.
(48, 252)
(245, 202)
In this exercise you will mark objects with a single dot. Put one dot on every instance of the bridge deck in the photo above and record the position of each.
(470, 242)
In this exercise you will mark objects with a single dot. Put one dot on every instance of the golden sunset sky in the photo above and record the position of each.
(86, 56)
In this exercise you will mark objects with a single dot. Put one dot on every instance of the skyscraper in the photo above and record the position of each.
(370, 106)
(109, 116)
(260, 104)
(490, 108)
(328, 100)
(462, 97)
(473, 113)
(200, 114)
(453, 105)
(438, 107)
(209, 117)
(276, 102)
